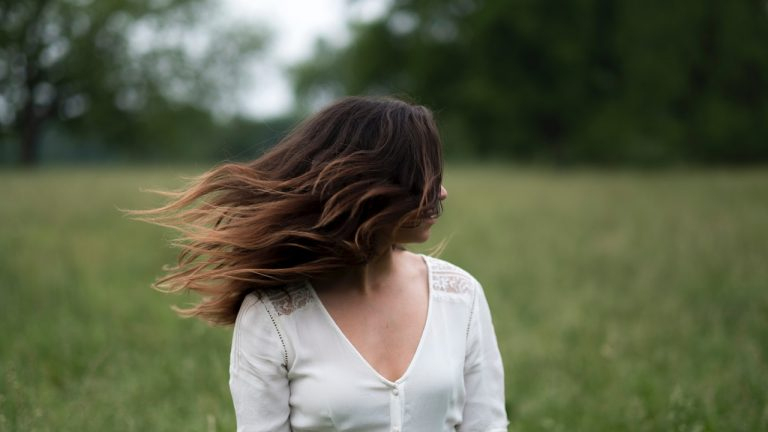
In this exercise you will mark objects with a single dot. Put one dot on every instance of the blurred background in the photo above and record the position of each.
(606, 166)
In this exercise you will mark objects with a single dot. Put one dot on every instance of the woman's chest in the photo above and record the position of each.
(333, 387)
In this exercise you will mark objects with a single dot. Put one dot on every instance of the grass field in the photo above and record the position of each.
(623, 301)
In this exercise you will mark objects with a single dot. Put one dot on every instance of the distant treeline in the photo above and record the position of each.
(571, 81)
(178, 139)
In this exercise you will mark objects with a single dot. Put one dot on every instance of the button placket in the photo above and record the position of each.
(396, 408)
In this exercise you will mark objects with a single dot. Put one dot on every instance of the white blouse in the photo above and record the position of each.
(292, 369)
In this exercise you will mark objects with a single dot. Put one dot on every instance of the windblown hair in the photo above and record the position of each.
(330, 195)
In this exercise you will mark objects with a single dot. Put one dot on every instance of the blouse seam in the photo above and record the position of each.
(279, 335)
(471, 312)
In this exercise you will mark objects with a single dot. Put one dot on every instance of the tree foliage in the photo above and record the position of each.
(141, 75)
(602, 81)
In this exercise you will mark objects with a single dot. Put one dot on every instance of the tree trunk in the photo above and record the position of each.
(30, 135)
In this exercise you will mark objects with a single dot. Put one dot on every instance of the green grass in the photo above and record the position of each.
(623, 301)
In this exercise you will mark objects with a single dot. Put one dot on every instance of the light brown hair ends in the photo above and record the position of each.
(330, 195)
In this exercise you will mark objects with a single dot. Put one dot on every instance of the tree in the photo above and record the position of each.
(108, 70)
(601, 81)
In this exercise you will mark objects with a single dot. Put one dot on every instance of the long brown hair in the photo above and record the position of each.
(330, 195)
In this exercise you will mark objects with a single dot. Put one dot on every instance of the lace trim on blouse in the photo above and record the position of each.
(448, 278)
(286, 300)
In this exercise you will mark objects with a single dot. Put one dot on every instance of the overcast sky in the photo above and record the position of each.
(294, 25)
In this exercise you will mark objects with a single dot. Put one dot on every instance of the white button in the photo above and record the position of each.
(395, 391)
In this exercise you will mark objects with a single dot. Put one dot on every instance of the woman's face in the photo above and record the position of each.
(420, 232)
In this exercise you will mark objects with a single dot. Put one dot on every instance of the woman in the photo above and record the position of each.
(337, 326)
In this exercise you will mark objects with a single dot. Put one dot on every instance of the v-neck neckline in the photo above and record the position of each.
(354, 349)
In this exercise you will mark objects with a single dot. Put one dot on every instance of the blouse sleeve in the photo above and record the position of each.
(257, 373)
(484, 409)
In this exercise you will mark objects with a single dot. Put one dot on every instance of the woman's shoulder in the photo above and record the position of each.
(251, 307)
(266, 321)
(256, 333)
(449, 278)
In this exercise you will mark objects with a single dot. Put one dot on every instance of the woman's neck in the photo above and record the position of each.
(365, 279)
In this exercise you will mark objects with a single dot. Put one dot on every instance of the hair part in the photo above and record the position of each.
(330, 195)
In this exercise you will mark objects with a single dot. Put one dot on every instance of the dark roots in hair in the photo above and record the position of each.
(330, 195)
